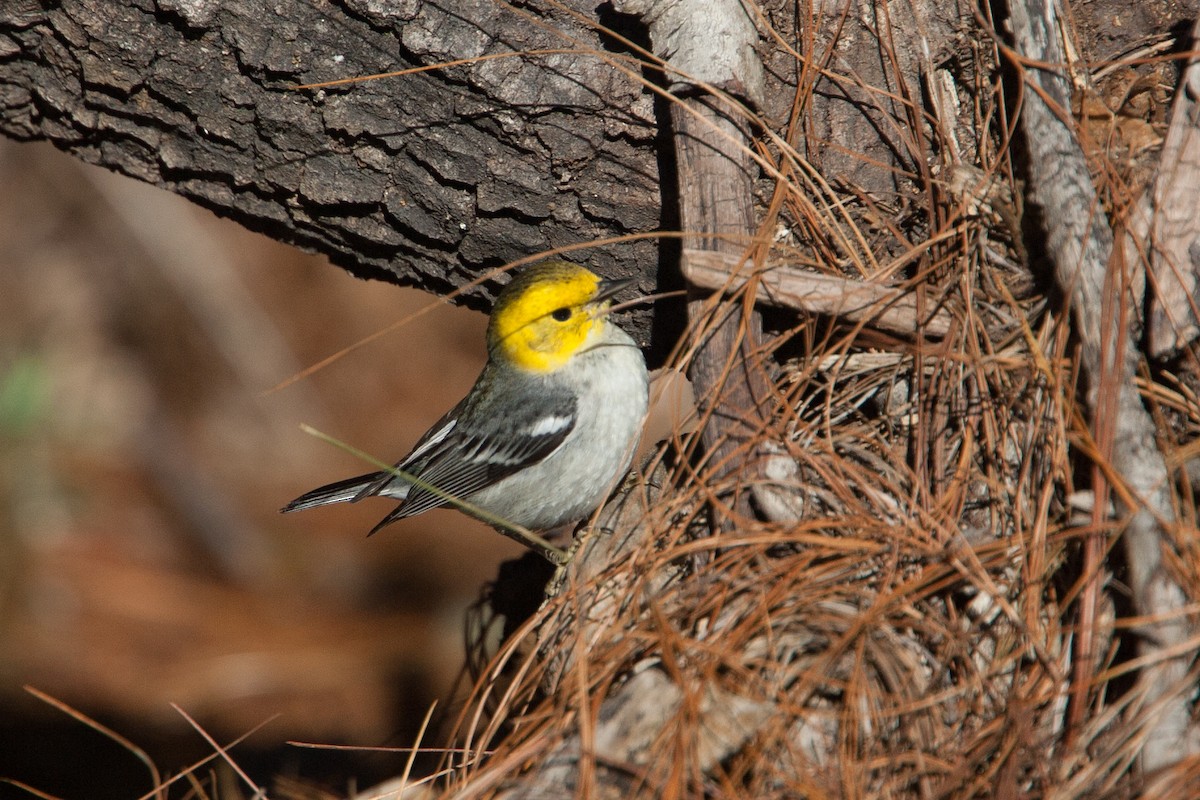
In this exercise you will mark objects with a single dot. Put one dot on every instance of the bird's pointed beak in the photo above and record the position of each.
(607, 289)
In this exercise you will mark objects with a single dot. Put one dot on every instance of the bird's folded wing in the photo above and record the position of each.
(463, 462)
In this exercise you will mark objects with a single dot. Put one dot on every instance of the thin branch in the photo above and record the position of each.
(889, 308)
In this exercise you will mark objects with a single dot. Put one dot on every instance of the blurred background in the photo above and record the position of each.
(143, 561)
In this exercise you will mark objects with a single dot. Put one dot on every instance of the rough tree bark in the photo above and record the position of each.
(428, 178)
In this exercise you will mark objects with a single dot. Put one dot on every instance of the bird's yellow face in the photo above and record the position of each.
(545, 315)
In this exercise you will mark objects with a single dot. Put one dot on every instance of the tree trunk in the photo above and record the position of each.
(427, 178)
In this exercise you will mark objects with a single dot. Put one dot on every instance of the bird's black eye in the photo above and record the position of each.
(561, 314)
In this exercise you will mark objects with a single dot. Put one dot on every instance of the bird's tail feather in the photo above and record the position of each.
(348, 490)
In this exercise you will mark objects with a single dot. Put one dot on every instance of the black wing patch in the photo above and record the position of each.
(467, 462)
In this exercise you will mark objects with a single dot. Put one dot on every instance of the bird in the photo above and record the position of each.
(548, 427)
